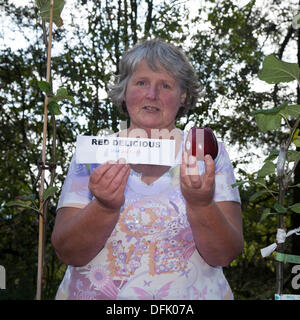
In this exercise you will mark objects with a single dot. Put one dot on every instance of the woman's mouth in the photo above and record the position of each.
(151, 108)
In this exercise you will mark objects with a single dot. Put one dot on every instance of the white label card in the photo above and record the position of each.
(97, 149)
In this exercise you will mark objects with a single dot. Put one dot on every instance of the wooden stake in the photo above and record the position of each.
(42, 217)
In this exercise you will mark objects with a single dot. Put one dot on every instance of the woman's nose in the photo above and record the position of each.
(152, 93)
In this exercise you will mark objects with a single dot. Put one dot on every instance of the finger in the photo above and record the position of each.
(122, 161)
(116, 166)
(124, 180)
(189, 165)
(106, 175)
(195, 179)
(192, 164)
(184, 176)
(99, 172)
(120, 178)
(210, 166)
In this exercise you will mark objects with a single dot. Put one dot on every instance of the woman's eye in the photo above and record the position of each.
(166, 86)
(140, 83)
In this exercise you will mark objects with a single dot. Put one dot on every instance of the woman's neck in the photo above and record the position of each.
(150, 173)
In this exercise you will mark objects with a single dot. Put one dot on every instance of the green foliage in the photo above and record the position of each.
(295, 207)
(44, 6)
(271, 119)
(277, 71)
(49, 192)
(61, 94)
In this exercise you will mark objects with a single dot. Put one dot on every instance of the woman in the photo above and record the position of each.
(150, 231)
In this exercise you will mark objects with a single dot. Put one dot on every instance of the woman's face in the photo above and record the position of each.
(152, 98)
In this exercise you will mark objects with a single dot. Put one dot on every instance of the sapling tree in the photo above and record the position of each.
(282, 162)
(50, 11)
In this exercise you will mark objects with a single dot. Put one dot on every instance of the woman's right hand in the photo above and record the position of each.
(107, 183)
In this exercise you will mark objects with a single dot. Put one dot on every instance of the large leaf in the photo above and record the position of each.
(21, 204)
(45, 86)
(267, 212)
(293, 155)
(276, 71)
(49, 192)
(267, 169)
(257, 195)
(279, 208)
(268, 122)
(295, 207)
(62, 94)
(270, 119)
(294, 110)
(44, 6)
(54, 107)
(273, 155)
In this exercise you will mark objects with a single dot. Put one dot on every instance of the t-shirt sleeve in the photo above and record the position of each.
(75, 191)
(225, 178)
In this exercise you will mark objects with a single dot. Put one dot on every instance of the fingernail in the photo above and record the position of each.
(207, 157)
(122, 161)
(188, 145)
(192, 159)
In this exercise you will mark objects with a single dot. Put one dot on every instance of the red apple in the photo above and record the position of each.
(201, 141)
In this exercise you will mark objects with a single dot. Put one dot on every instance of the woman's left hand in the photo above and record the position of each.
(198, 190)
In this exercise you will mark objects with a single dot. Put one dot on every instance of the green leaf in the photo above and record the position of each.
(58, 6)
(49, 192)
(53, 107)
(295, 207)
(62, 93)
(267, 169)
(239, 183)
(20, 204)
(297, 142)
(293, 110)
(258, 194)
(44, 86)
(71, 98)
(279, 208)
(293, 155)
(267, 212)
(268, 122)
(31, 197)
(273, 155)
(276, 71)
(259, 181)
(270, 119)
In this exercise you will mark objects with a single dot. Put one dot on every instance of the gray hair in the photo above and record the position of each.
(171, 58)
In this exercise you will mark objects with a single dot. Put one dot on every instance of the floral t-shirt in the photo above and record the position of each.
(151, 253)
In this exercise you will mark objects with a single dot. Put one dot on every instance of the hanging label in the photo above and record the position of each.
(287, 258)
(94, 149)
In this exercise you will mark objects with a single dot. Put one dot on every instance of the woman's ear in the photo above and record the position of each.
(183, 97)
